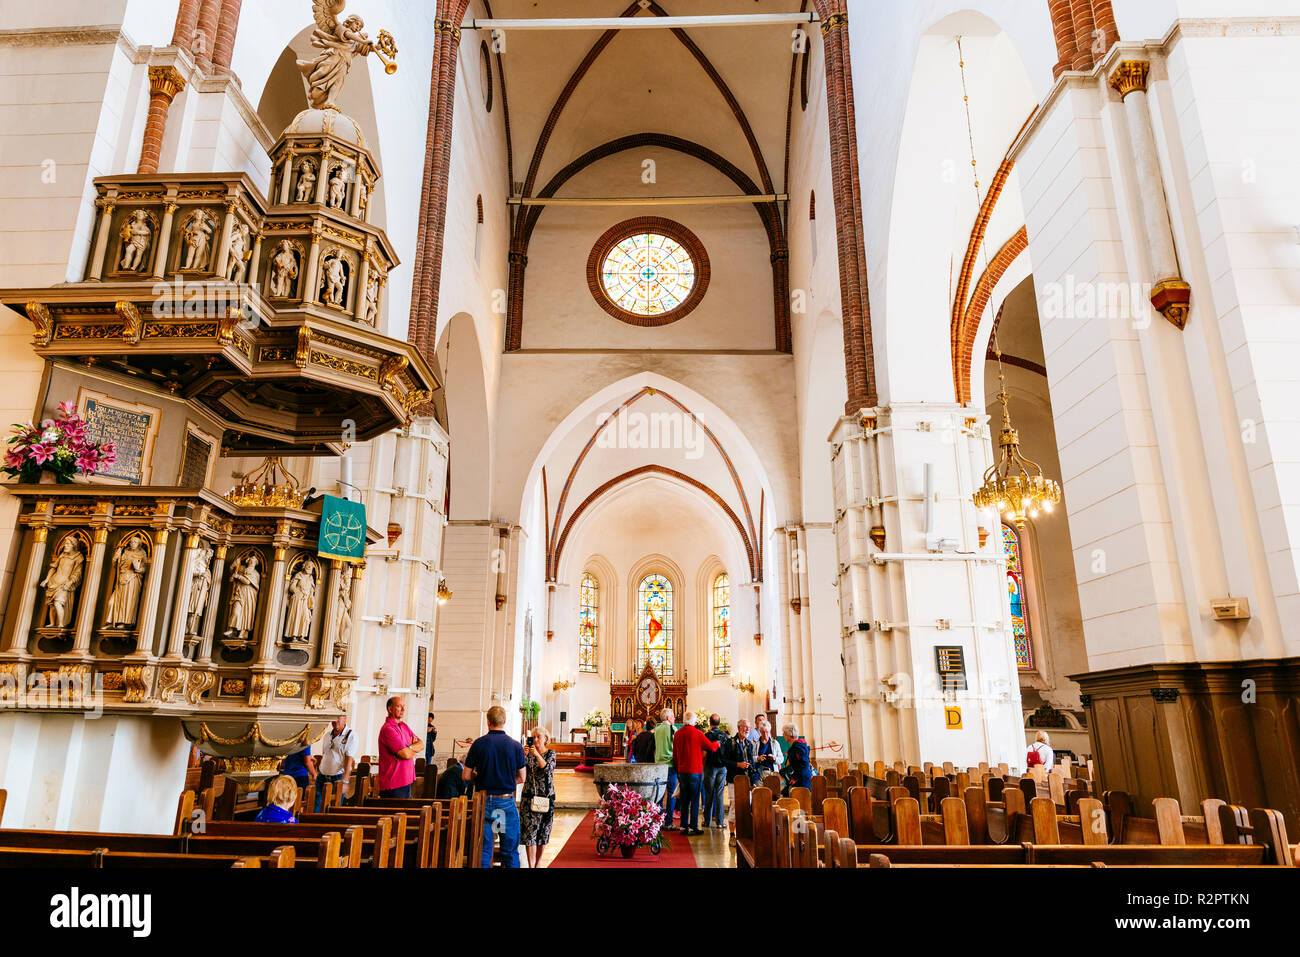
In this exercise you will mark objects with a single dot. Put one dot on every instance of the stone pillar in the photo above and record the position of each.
(271, 624)
(209, 15)
(176, 641)
(147, 617)
(310, 288)
(163, 246)
(204, 655)
(90, 593)
(106, 208)
(254, 261)
(1170, 295)
(227, 27)
(164, 83)
(349, 662)
(329, 624)
(16, 643)
(363, 281)
(286, 179)
(322, 181)
(223, 247)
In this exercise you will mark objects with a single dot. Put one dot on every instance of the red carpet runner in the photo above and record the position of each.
(580, 851)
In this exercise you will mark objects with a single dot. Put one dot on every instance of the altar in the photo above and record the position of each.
(646, 696)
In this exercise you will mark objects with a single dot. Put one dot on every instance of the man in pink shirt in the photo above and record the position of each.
(398, 746)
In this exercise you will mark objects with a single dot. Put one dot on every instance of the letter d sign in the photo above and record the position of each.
(952, 718)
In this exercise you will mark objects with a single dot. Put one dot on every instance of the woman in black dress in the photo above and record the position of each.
(539, 790)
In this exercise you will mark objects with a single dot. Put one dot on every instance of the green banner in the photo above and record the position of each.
(342, 529)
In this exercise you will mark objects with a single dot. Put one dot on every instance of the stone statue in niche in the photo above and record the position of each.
(363, 195)
(371, 314)
(61, 583)
(338, 188)
(335, 276)
(245, 580)
(302, 602)
(306, 181)
(339, 43)
(137, 235)
(284, 269)
(126, 583)
(345, 616)
(200, 587)
(197, 236)
(239, 242)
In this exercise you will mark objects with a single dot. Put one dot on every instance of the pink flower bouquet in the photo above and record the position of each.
(58, 445)
(627, 818)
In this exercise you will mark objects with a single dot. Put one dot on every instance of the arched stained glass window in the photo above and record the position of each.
(648, 274)
(588, 625)
(1016, 595)
(720, 603)
(654, 624)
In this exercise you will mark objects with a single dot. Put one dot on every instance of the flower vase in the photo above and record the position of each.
(47, 478)
(627, 850)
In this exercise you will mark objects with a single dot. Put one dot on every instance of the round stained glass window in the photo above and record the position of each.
(648, 272)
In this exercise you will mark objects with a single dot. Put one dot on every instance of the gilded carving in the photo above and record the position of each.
(233, 687)
(259, 692)
(136, 679)
(199, 682)
(304, 345)
(170, 681)
(42, 322)
(339, 43)
(389, 369)
(339, 364)
(13, 680)
(131, 321)
(137, 236)
(1130, 76)
(288, 689)
(197, 236)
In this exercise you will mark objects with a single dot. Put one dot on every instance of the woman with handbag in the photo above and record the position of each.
(537, 802)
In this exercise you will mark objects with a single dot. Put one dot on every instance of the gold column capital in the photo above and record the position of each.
(447, 26)
(165, 81)
(1130, 76)
(834, 22)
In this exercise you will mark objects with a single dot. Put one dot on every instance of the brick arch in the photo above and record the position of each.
(767, 213)
(966, 326)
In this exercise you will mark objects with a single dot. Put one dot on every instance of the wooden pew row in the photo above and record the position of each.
(102, 859)
(310, 851)
(464, 827)
(763, 827)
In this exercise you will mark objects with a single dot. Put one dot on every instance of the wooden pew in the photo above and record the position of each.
(316, 850)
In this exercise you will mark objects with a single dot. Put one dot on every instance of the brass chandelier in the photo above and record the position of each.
(270, 485)
(1013, 486)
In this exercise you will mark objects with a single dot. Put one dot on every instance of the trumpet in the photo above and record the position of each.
(386, 50)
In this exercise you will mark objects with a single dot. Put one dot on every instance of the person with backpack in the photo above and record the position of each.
(1040, 752)
(338, 758)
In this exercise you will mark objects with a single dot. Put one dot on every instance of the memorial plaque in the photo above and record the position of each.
(131, 429)
(195, 460)
(421, 663)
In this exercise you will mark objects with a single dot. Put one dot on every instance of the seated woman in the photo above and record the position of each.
(281, 796)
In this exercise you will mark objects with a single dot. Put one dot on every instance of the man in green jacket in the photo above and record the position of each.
(664, 755)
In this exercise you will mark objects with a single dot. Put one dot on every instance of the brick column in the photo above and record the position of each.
(187, 21)
(164, 83)
(437, 169)
(1104, 18)
(856, 315)
(227, 26)
(1063, 29)
(1081, 13)
(209, 14)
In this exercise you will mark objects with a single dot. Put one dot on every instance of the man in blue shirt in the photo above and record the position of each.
(798, 760)
(495, 763)
(300, 767)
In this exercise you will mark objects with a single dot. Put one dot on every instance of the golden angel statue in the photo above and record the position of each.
(339, 42)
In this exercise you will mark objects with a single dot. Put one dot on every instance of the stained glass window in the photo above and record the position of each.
(721, 603)
(654, 625)
(588, 610)
(1016, 594)
(648, 274)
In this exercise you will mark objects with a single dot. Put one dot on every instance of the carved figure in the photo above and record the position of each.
(239, 237)
(61, 583)
(197, 235)
(137, 235)
(338, 189)
(335, 280)
(306, 181)
(302, 602)
(200, 586)
(126, 583)
(339, 43)
(345, 616)
(363, 195)
(371, 314)
(284, 269)
(245, 581)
